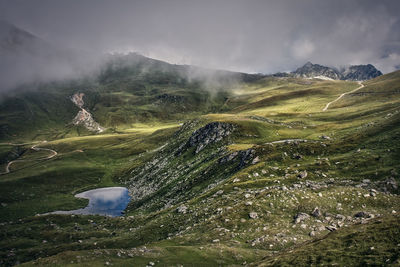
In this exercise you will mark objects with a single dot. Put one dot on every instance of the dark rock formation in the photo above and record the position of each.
(353, 73)
(361, 73)
(209, 134)
(310, 70)
(298, 218)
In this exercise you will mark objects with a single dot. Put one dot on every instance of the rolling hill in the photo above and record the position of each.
(223, 168)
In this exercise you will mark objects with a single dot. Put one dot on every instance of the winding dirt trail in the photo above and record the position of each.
(337, 99)
(52, 154)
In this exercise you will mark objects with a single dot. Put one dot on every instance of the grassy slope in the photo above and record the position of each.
(262, 111)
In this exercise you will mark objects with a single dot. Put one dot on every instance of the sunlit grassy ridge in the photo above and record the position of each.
(238, 210)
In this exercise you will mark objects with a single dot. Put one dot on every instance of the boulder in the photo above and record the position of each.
(362, 214)
(253, 215)
(302, 174)
(298, 218)
(316, 212)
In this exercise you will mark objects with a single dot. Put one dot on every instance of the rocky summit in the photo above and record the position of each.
(310, 70)
(360, 73)
(351, 73)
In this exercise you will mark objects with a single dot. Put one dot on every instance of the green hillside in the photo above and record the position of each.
(223, 169)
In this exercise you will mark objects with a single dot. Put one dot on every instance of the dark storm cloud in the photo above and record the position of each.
(250, 36)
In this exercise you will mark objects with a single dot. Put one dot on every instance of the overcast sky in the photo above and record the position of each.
(241, 35)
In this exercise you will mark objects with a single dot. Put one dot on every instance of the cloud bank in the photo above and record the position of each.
(248, 36)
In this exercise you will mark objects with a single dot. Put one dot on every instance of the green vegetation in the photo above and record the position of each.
(217, 171)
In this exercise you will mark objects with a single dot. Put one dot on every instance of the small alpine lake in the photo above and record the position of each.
(108, 201)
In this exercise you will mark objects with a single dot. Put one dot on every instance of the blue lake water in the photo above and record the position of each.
(109, 201)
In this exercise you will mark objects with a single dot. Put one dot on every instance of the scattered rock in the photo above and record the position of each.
(253, 215)
(331, 228)
(219, 192)
(372, 192)
(362, 214)
(297, 156)
(316, 212)
(325, 137)
(255, 160)
(301, 217)
(302, 174)
(182, 209)
(391, 182)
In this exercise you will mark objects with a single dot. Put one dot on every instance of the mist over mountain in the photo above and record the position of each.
(258, 37)
(30, 59)
(27, 58)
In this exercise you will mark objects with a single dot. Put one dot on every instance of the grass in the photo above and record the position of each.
(355, 140)
(358, 245)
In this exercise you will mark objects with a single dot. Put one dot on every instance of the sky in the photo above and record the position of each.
(241, 35)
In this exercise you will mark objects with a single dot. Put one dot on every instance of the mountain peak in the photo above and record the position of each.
(361, 72)
(310, 70)
(12, 37)
(354, 72)
(308, 64)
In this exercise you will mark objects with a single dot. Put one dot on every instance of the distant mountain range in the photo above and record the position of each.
(27, 58)
(354, 73)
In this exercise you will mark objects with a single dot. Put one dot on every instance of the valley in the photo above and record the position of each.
(246, 169)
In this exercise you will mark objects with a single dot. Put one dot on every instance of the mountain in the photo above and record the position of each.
(222, 168)
(360, 73)
(310, 70)
(14, 39)
(28, 59)
(125, 89)
(352, 73)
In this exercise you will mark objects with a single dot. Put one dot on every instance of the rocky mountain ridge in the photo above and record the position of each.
(353, 73)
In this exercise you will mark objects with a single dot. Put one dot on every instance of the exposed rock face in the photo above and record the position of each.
(84, 117)
(353, 73)
(361, 73)
(245, 157)
(209, 134)
(310, 70)
(77, 99)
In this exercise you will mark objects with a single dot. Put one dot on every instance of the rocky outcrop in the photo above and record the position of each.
(300, 217)
(209, 134)
(77, 99)
(361, 73)
(352, 73)
(310, 70)
(244, 157)
(84, 117)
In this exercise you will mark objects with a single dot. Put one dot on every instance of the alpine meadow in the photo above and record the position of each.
(139, 158)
